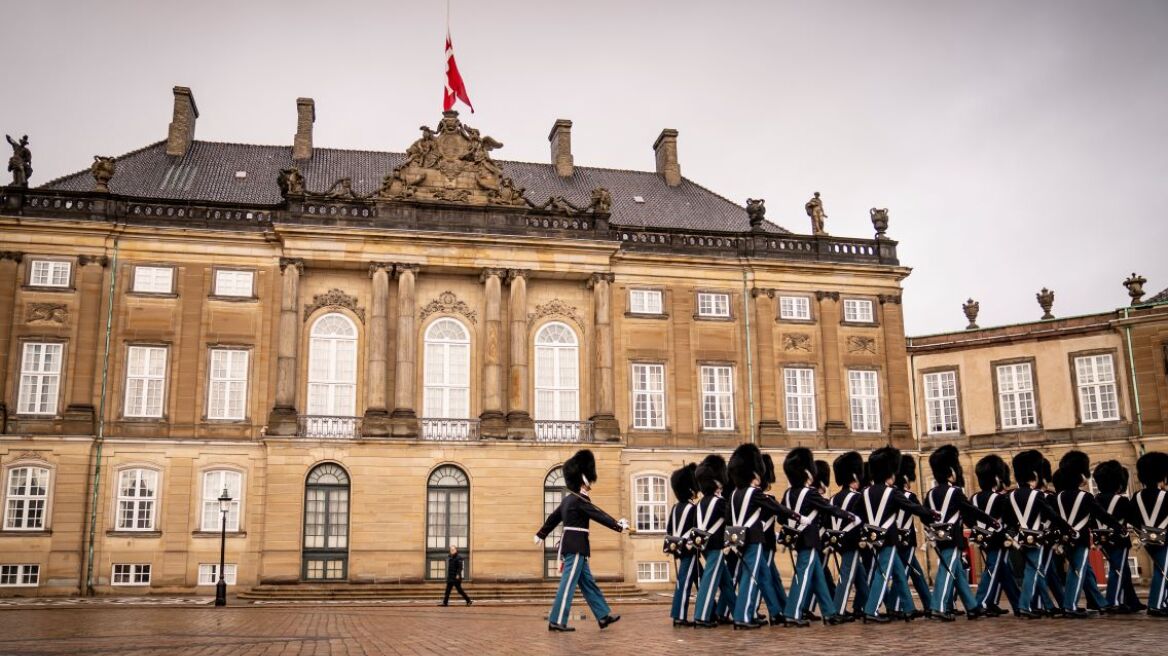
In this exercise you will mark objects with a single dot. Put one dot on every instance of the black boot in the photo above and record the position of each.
(608, 619)
(552, 626)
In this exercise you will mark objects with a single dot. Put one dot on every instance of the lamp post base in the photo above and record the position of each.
(221, 592)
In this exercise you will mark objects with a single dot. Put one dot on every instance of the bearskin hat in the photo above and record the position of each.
(799, 465)
(848, 467)
(991, 472)
(1067, 478)
(711, 474)
(865, 475)
(884, 463)
(822, 474)
(768, 476)
(907, 472)
(746, 463)
(684, 482)
(1152, 468)
(1109, 477)
(1047, 474)
(581, 466)
(1028, 466)
(1078, 462)
(944, 462)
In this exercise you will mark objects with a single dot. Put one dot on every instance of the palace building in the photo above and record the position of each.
(381, 354)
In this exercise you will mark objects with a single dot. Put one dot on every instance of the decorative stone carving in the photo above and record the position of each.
(755, 292)
(20, 164)
(556, 307)
(342, 189)
(971, 308)
(606, 276)
(286, 262)
(888, 298)
(102, 170)
(601, 201)
(501, 274)
(1135, 287)
(15, 256)
(814, 209)
(334, 298)
(796, 342)
(374, 267)
(1046, 302)
(879, 221)
(448, 302)
(512, 274)
(861, 344)
(819, 296)
(291, 183)
(47, 312)
(100, 260)
(756, 212)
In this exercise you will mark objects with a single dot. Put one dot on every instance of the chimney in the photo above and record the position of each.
(305, 117)
(182, 125)
(666, 150)
(561, 138)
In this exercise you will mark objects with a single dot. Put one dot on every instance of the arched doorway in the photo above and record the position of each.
(447, 519)
(325, 555)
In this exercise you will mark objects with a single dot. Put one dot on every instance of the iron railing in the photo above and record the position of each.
(444, 429)
(563, 431)
(329, 427)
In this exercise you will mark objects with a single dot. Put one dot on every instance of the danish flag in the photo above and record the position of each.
(455, 88)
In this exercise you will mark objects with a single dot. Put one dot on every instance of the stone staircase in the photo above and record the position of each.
(429, 591)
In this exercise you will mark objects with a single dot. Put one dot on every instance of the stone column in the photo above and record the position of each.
(519, 423)
(829, 320)
(404, 419)
(494, 422)
(604, 424)
(282, 421)
(79, 413)
(769, 425)
(376, 418)
(9, 264)
(899, 407)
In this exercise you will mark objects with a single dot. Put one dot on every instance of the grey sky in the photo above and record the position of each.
(1016, 144)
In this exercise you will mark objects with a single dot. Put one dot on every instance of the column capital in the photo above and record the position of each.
(296, 262)
(100, 260)
(755, 292)
(889, 298)
(606, 276)
(15, 256)
(819, 296)
(374, 267)
(401, 268)
(512, 274)
(487, 273)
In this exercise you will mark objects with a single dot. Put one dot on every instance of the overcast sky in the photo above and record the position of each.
(1016, 144)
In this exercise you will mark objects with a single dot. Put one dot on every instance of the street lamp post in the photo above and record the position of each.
(221, 585)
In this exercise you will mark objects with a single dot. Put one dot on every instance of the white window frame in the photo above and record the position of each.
(149, 279)
(21, 572)
(1014, 393)
(331, 394)
(48, 273)
(443, 388)
(646, 301)
(40, 378)
(864, 400)
(226, 389)
(714, 304)
(647, 394)
(652, 571)
(717, 386)
(795, 308)
(859, 310)
(799, 396)
(26, 501)
(229, 283)
(131, 574)
(650, 493)
(137, 504)
(213, 482)
(152, 385)
(1096, 388)
(941, 404)
(557, 392)
(209, 573)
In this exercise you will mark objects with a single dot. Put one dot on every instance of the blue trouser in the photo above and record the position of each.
(851, 571)
(771, 585)
(576, 571)
(1118, 573)
(1080, 578)
(997, 576)
(1033, 578)
(733, 569)
(951, 576)
(915, 574)
(1052, 596)
(749, 591)
(1157, 592)
(809, 579)
(717, 581)
(689, 570)
(814, 598)
(887, 568)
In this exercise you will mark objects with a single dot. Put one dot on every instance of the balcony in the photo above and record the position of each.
(563, 431)
(326, 427)
(450, 430)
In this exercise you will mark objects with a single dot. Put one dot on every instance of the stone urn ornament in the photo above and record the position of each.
(971, 308)
(1046, 302)
(103, 170)
(1135, 287)
(879, 221)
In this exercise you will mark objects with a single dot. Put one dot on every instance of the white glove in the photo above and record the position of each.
(804, 520)
(623, 523)
(535, 539)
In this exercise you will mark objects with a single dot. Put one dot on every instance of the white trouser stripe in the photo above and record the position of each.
(715, 580)
(887, 573)
(569, 589)
(685, 590)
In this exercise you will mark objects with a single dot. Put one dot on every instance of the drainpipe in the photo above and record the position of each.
(749, 354)
(1135, 386)
(93, 501)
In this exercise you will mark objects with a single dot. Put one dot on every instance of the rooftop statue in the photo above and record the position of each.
(814, 209)
(20, 164)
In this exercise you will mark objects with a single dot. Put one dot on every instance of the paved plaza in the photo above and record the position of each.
(511, 629)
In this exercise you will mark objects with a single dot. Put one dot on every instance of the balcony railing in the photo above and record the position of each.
(459, 430)
(326, 427)
(563, 431)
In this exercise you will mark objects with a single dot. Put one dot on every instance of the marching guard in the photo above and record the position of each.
(679, 541)
(844, 537)
(908, 537)
(1078, 508)
(1151, 520)
(708, 536)
(770, 584)
(993, 477)
(1111, 478)
(1030, 511)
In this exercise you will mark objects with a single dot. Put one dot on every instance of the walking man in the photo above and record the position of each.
(454, 577)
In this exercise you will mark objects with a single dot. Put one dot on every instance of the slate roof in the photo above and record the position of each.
(208, 173)
(1158, 298)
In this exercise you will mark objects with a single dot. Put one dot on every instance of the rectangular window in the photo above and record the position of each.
(795, 307)
(234, 283)
(941, 402)
(214, 482)
(857, 310)
(1095, 377)
(20, 575)
(656, 571)
(40, 378)
(131, 574)
(209, 573)
(27, 496)
(718, 398)
(153, 280)
(1016, 396)
(137, 492)
(650, 503)
(648, 396)
(227, 391)
(864, 392)
(713, 305)
(49, 273)
(799, 384)
(145, 380)
(645, 301)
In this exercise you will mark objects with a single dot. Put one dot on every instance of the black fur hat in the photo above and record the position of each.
(848, 467)
(822, 474)
(746, 463)
(1028, 466)
(1067, 478)
(992, 472)
(581, 466)
(945, 462)
(865, 475)
(884, 463)
(768, 476)
(799, 465)
(1110, 477)
(1078, 462)
(684, 482)
(1047, 473)
(1152, 468)
(711, 474)
(908, 470)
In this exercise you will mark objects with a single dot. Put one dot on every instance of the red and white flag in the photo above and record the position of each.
(455, 88)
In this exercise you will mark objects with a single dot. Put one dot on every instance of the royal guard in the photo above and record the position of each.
(1112, 478)
(1079, 509)
(1031, 512)
(848, 469)
(679, 541)
(709, 531)
(1051, 600)
(575, 512)
(993, 477)
(909, 541)
(1150, 517)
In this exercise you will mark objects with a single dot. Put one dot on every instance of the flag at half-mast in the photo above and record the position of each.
(455, 88)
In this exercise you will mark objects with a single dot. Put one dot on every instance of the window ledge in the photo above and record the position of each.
(233, 299)
(803, 322)
(31, 533)
(143, 420)
(113, 533)
(38, 288)
(706, 317)
(860, 324)
(134, 294)
(216, 534)
(645, 315)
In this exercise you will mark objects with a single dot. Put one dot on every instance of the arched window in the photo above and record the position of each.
(553, 494)
(332, 376)
(326, 523)
(26, 498)
(557, 382)
(447, 519)
(447, 377)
